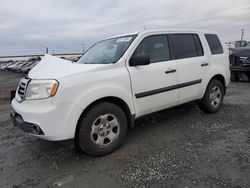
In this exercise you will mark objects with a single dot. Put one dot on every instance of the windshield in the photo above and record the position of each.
(107, 51)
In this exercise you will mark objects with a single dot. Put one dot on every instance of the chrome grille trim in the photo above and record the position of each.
(21, 90)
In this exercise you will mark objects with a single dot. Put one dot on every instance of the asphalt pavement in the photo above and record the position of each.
(180, 147)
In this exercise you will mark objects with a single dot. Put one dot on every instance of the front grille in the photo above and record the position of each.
(22, 89)
(247, 62)
(243, 59)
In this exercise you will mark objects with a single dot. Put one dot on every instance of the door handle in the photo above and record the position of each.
(204, 64)
(170, 71)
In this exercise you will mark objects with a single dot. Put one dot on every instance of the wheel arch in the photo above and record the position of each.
(115, 100)
(222, 79)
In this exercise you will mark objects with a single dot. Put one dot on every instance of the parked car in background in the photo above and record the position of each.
(28, 67)
(24, 66)
(3, 64)
(240, 63)
(11, 67)
(20, 66)
(239, 44)
(5, 68)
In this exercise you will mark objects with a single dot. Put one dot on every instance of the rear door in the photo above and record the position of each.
(190, 59)
(154, 85)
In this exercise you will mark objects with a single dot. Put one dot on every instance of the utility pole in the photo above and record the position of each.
(242, 34)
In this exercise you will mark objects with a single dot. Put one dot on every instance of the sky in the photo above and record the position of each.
(29, 26)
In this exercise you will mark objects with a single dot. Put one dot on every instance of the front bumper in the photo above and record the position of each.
(240, 68)
(18, 121)
(55, 121)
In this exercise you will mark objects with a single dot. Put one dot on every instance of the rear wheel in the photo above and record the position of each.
(102, 129)
(213, 98)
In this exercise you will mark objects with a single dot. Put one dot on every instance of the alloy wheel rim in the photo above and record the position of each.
(105, 130)
(215, 96)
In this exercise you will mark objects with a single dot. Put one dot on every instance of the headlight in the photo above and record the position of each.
(41, 89)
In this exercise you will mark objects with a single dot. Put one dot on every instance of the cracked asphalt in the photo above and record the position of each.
(180, 147)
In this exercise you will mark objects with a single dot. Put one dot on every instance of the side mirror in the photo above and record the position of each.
(139, 60)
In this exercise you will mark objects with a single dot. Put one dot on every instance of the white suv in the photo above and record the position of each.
(118, 80)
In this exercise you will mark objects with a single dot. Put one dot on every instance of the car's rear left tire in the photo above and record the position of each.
(102, 129)
(213, 97)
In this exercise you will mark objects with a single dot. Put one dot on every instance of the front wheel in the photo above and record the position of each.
(102, 129)
(213, 98)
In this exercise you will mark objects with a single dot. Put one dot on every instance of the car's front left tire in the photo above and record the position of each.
(102, 129)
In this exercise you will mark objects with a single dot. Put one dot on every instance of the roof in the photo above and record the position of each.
(148, 31)
(176, 30)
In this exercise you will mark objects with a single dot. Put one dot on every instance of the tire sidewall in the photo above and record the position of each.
(208, 104)
(85, 126)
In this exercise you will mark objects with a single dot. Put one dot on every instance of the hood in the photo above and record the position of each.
(242, 52)
(51, 67)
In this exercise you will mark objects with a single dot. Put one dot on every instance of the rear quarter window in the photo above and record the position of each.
(214, 44)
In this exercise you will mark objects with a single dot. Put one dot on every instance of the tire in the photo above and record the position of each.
(102, 129)
(213, 98)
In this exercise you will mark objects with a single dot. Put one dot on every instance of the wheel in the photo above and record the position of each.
(102, 129)
(213, 98)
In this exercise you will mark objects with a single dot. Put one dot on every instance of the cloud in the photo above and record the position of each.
(64, 25)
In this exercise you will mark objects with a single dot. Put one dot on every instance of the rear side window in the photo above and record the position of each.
(214, 44)
(187, 45)
(156, 47)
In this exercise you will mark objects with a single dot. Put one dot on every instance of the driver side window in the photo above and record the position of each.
(156, 47)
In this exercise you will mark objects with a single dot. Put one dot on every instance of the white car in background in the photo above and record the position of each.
(13, 66)
(29, 66)
(19, 66)
(3, 64)
(6, 65)
(118, 80)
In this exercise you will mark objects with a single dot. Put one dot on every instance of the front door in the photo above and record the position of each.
(154, 85)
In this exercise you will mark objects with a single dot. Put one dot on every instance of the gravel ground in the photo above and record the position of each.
(180, 147)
